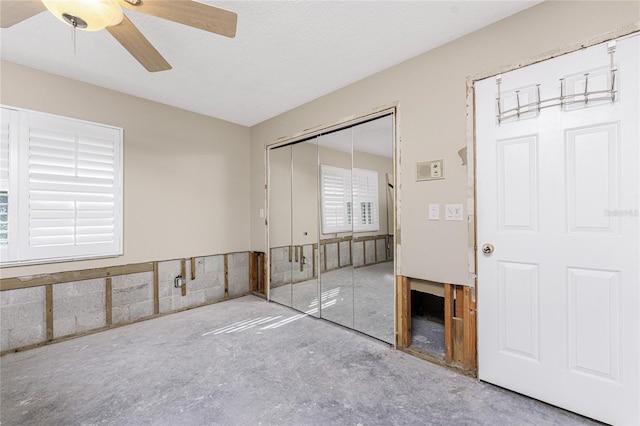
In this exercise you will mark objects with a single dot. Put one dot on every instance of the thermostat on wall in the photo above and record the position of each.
(430, 170)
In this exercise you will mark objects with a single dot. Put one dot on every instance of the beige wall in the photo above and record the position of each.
(431, 94)
(186, 177)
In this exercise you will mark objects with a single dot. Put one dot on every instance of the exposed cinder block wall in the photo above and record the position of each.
(132, 297)
(208, 285)
(22, 317)
(358, 253)
(79, 306)
(238, 273)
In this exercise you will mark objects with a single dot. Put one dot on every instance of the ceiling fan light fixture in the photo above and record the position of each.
(96, 14)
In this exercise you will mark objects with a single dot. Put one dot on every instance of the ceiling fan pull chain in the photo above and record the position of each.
(73, 36)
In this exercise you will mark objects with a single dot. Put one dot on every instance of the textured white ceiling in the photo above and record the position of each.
(285, 53)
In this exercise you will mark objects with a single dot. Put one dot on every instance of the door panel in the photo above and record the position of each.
(280, 245)
(304, 206)
(558, 192)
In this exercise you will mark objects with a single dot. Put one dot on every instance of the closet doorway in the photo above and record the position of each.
(331, 225)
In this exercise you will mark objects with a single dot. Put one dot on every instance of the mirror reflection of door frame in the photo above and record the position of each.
(391, 109)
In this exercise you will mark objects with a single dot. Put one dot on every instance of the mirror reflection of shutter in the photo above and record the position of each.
(7, 123)
(335, 197)
(365, 197)
(71, 175)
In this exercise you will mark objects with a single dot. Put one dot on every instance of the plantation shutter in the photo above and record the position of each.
(71, 201)
(365, 198)
(337, 210)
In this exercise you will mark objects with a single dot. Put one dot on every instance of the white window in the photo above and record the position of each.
(341, 190)
(60, 189)
(365, 198)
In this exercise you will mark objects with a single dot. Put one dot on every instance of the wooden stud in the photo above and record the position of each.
(262, 285)
(313, 261)
(403, 310)
(156, 289)
(458, 340)
(193, 268)
(364, 252)
(324, 251)
(338, 254)
(469, 322)
(351, 252)
(253, 271)
(65, 277)
(226, 276)
(108, 301)
(183, 273)
(301, 258)
(49, 312)
(296, 251)
(375, 250)
(290, 254)
(448, 322)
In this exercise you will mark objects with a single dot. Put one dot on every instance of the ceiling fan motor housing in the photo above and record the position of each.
(89, 16)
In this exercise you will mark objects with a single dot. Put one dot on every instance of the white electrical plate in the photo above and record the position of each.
(434, 211)
(453, 212)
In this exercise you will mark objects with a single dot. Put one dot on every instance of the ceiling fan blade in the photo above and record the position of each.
(15, 11)
(140, 48)
(191, 13)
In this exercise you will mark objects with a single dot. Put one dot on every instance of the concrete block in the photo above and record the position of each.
(214, 293)
(133, 294)
(119, 314)
(358, 253)
(345, 255)
(214, 263)
(370, 251)
(199, 266)
(140, 310)
(64, 326)
(195, 298)
(165, 304)
(22, 295)
(4, 298)
(238, 260)
(22, 314)
(382, 250)
(238, 282)
(4, 340)
(331, 252)
(90, 321)
(23, 336)
(277, 254)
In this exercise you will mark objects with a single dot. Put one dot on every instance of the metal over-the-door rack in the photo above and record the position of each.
(564, 100)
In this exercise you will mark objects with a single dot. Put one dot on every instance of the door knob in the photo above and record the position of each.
(487, 248)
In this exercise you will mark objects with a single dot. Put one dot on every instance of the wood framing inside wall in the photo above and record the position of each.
(459, 324)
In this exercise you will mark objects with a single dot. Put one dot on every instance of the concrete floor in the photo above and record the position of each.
(428, 335)
(359, 298)
(243, 362)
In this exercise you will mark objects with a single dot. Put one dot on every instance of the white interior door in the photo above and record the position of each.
(557, 197)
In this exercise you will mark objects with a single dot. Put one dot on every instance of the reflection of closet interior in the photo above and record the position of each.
(331, 226)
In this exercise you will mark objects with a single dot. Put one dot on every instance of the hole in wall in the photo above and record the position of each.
(427, 322)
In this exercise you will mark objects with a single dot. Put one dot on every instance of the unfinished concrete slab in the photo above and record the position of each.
(247, 361)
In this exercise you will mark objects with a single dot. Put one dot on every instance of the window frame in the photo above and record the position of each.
(19, 252)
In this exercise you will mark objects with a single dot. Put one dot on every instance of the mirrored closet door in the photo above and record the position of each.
(331, 226)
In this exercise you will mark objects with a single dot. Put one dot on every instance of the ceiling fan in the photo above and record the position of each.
(95, 15)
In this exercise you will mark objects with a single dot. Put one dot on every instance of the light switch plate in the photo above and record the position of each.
(261, 213)
(434, 211)
(453, 212)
